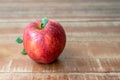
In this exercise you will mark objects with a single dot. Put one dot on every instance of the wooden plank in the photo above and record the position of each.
(71, 37)
(69, 29)
(69, 26)
(78, 9)
(72, 50)
(58, 1)
(57, 13)
(54, 5)
(59, 76)
(66, 22)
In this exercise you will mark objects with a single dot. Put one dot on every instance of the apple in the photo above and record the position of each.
(44, 40)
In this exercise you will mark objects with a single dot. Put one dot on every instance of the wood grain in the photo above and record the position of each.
(92, 50)
(54, 76)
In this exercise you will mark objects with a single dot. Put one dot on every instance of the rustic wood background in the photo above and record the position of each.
(92, 50)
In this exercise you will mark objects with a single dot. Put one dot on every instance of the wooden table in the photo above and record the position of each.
(92, 50)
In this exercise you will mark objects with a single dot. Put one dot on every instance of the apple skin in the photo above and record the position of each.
(44, 45)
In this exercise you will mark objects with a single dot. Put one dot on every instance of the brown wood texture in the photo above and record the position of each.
(92, 49)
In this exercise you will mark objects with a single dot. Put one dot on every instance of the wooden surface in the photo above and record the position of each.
(92, 50)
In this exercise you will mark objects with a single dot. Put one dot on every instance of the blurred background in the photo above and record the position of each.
(87, 16)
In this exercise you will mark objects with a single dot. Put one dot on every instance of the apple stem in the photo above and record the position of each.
(44, 22)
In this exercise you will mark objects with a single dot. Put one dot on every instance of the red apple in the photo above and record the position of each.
(44, 43)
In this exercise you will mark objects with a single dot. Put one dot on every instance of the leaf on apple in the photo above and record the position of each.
(44, 22)
(24, 52)
(19, 40)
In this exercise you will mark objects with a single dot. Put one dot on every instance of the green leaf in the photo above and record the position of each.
(44, 22)
(24, 52)
(19, 40)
